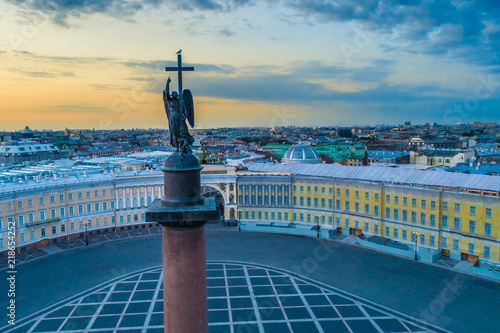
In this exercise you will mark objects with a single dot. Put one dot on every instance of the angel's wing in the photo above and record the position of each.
(189, 106)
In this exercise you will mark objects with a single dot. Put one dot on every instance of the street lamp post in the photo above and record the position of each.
(416, 235)
(239, 211)
(86, 225)
(316, 217)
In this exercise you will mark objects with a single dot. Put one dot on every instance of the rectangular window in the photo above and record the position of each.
(330, 203)
(396, 233)
(104, 193)
(347, 205)
(445, 205)
(30, 203)
(301, 217)
(89, 208)
(308, 217)
(20, 219)
(61, 198)
(54, 230)
(315, 202)
(323, 203)
(346, 223)
(456, 244)
(346, 193)
(286, 216)
(376, 196)
(63, 227)
(42, 215)
(330, 190)
(487, 229)
(433, 220)
(356, 207)
(338, 191)
(375, 210)
(259, 215)
(396, 214)
(31, 218)
(70, 197)
(472, 210)
(472, 227)
(413, 217)
(388, 213)
(423, 218)
(388, 198)
(405, 215)
(433, 204)
(486, 252)
(129, 218)
(21, 238)
(414, 202)
(444, 222)
(444, 242)
(356, 224)
(367, 227)
(375, 229)
(52, 199)
(396, 200)
(19, 205)
(337, 204)
(96, 194)
(432, 241)
(72, 226)
(41, 201)
(32, 235)
(422, 239)
(471, 248)
(88, 195)
(279, 216)
(357, 194)
(308, 202)
(457, 207)
(404, 234)
(52, 213)
(405, 201)
(387, 231)
(112, 205)
(105, 205)
(337, 221)
(367, 209)
(96, 207)
(456, 223)
(315, 189)
(367, 195)
(62, 212)
(424, 203)
(488, 212)
(80, 196)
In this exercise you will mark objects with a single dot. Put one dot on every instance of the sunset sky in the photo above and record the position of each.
(100, 63)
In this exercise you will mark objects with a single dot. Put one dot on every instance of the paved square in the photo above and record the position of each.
(242, 298)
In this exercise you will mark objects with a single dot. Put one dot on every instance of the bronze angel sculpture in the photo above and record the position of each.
(179, 110)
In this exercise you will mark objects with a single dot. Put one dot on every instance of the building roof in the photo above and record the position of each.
(26, 148)
(300, 153)
(386, 175)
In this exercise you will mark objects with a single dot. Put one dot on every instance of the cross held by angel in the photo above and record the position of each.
(179, 108)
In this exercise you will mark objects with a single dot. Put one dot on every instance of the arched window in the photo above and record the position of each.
(149, 201)
(240, 199)
(142, 202)
(135, 202)
(127, 203)
(120, 203)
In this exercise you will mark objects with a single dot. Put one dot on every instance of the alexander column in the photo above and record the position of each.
(182, 212)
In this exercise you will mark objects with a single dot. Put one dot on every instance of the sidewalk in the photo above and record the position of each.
(78, 243)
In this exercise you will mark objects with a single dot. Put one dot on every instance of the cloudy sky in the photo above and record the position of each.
(100, 63)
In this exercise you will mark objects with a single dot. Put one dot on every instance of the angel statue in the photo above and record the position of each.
(178, 111)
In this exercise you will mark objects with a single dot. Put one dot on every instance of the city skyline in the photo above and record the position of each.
(100, 65)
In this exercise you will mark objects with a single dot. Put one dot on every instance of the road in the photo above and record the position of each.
(457, 302)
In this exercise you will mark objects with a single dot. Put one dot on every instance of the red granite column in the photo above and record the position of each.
(182, 212)
(184, 280)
